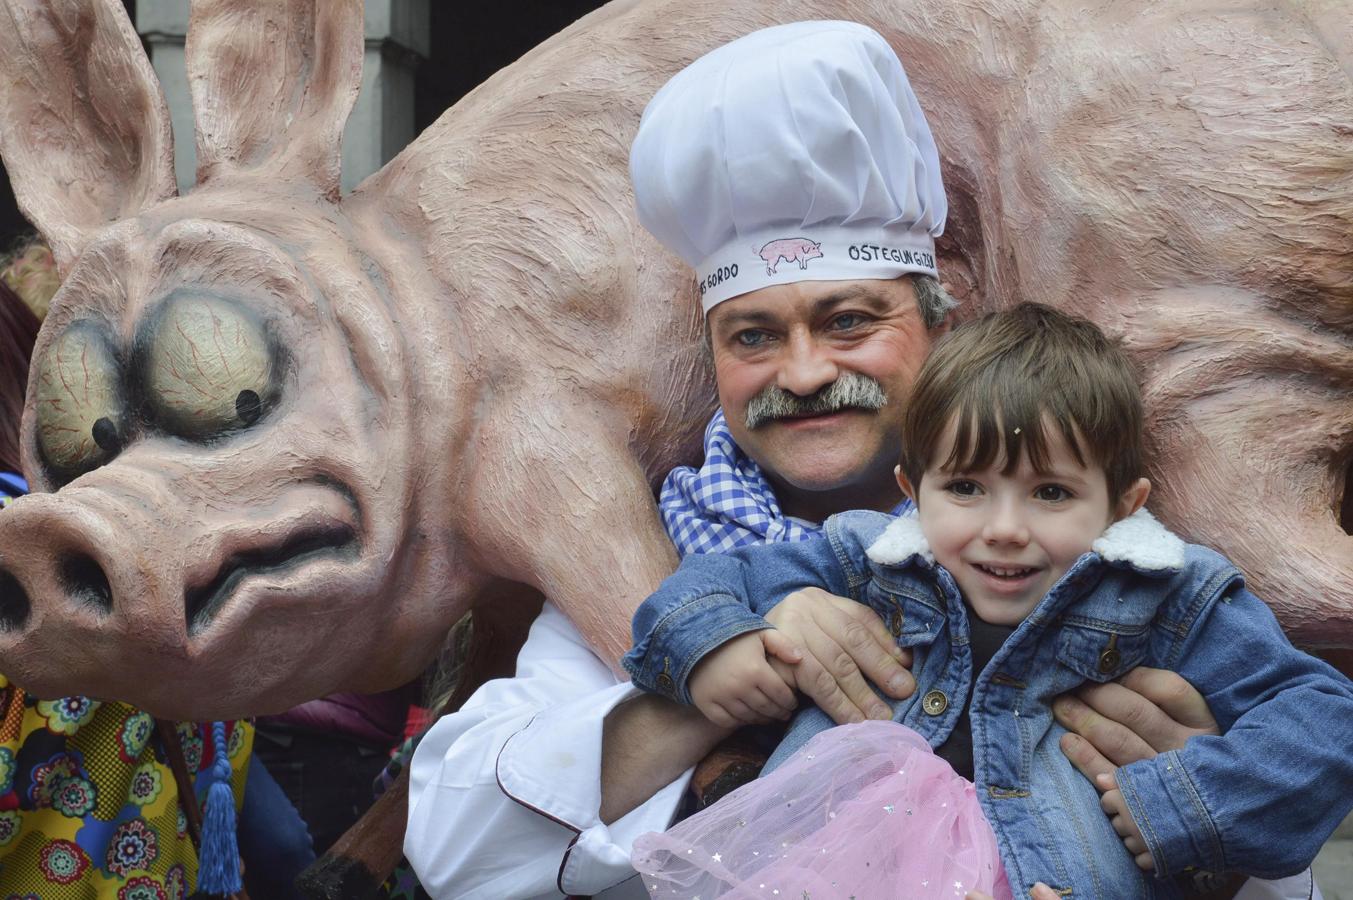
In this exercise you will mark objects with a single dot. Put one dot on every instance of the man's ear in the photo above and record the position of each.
(1133, 499)
(904, 483)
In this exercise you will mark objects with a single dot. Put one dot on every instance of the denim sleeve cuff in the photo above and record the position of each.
(1169, 811)
(662, 661)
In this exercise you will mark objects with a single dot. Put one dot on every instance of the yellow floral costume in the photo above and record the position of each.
(88, 804)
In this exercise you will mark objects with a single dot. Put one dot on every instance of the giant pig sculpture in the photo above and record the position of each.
(283, 439)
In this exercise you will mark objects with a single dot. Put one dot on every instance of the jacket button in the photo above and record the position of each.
(665, 684)
(1109, 660)
(934, 703)
(895, 623)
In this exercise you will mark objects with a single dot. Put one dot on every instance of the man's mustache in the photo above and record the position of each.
(850, 391)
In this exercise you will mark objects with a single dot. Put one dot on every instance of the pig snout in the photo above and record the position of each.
(60, 579)
(67, 562)
(126, 568)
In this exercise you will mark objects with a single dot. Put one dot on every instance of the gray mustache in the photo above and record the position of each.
(850, 391)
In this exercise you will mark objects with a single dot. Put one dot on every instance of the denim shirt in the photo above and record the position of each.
(1260, 800)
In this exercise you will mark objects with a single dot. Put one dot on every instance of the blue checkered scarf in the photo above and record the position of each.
(727, 502)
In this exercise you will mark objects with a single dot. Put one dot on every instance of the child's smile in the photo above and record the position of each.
(1008, 538)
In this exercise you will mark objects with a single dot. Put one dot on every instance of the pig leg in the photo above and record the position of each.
(570, 509)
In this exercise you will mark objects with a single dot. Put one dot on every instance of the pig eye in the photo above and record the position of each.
(80, 409)
(209, 367)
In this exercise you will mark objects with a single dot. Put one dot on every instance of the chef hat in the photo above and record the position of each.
(796, 153)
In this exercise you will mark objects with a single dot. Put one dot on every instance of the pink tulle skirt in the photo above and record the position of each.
(863, 810)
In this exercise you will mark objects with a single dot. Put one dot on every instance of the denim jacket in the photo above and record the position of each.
(1260, 800)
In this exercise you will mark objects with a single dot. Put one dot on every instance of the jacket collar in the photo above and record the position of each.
(901, 543)
(1138, 542)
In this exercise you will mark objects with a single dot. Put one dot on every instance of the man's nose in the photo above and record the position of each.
(805, 367)
(1005, 524)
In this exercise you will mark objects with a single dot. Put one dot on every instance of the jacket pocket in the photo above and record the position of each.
(910, 621)
(1101, 651)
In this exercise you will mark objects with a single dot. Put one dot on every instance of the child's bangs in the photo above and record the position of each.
(1002, 420)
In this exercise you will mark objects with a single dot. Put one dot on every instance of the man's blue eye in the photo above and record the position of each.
(751, 338)
(1052, 493)
(846, 321)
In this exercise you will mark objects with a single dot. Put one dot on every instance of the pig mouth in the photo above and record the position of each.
(329, 540)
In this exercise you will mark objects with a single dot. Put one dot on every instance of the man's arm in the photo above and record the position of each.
(503, 794)
(647, 742)
(1145, 713)
(1256, 800)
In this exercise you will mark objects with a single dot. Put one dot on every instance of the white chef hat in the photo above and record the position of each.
(796, 153)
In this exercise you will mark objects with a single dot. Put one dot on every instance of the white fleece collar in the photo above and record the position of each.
(900, 541)
(1139, 541)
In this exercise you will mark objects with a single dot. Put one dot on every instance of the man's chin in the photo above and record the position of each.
(823, 471)
(821, 453)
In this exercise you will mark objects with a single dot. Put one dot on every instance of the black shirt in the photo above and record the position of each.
(985, 639)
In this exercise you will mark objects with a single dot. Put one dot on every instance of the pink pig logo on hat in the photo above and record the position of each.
(795, 249)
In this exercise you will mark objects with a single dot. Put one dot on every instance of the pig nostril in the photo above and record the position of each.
(13, 603)
(85, 582)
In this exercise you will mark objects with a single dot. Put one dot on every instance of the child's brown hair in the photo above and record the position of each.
(1004, 377)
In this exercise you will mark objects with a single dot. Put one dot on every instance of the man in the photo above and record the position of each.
(794, 171)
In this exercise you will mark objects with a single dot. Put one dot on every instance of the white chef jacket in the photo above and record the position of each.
(504, 794)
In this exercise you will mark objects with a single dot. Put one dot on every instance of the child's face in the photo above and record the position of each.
(1007, 539)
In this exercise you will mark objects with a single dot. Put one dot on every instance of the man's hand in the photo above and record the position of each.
(735, 685)
(844, 643)
(1111, 801)
(1147, 711)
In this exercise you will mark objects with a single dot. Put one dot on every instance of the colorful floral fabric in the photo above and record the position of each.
(88, 804)
(12, 486)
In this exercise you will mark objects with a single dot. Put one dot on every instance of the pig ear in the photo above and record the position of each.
(273, 83)
(84, 130)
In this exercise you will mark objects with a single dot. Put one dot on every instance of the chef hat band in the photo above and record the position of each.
(796, 153)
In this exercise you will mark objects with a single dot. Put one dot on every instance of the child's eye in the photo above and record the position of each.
(1052, 493)
(962, 487)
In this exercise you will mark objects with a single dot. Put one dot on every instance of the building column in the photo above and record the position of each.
(397, 40)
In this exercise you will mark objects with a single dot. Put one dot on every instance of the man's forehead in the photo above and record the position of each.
(808, 299)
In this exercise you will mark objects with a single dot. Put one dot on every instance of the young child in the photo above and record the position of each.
(1028, 568)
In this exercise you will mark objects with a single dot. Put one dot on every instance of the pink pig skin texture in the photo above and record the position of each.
(487, 365)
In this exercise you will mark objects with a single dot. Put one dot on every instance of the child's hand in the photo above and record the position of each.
(735, 684)
(1111, 801)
